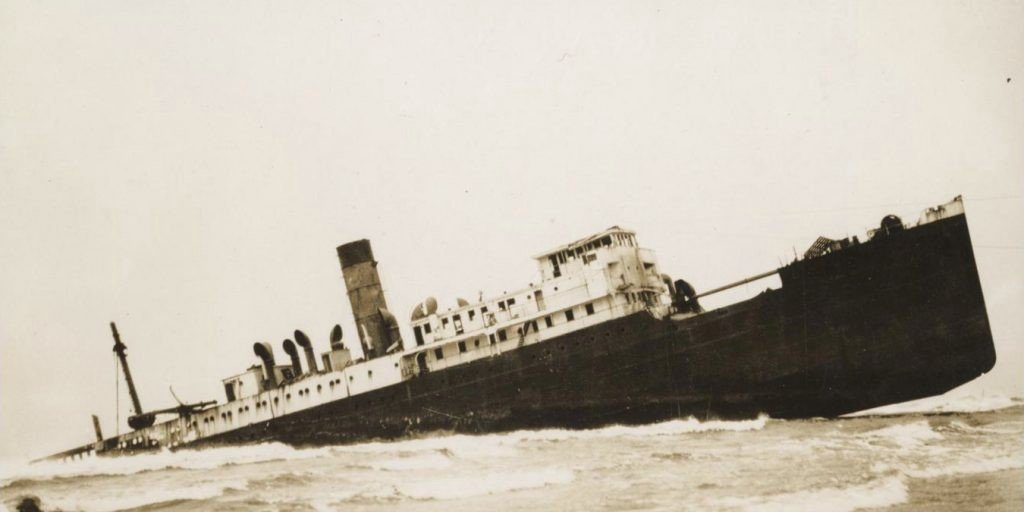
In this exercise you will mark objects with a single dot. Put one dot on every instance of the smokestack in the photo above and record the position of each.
(265, 352)
(307, 346)
(367, 297)
(289, 348)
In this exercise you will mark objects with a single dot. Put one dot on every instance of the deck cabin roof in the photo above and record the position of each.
(584, 241)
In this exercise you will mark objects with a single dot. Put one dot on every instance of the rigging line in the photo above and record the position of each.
(117, 397)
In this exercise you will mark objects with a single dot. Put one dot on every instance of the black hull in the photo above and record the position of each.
(882, 322)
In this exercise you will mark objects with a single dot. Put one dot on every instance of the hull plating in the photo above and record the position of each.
(878, 323)
(886, 321)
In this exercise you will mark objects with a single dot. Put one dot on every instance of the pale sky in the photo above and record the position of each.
(186, 169)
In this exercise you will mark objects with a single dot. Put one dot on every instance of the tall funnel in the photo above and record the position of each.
(366, 296)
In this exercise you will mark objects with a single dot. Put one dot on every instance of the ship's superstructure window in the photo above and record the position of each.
(598, 273)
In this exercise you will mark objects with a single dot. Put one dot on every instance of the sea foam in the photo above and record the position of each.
(945, 404)
(874, 494)
(450, 488)
(206, 458)
(906, 435)
(135, 497)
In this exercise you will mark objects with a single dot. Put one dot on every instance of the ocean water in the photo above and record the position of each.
(939, 454)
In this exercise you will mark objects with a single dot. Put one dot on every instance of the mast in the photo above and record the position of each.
(119, 348)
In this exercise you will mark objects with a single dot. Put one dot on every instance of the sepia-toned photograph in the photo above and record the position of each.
(512, 256)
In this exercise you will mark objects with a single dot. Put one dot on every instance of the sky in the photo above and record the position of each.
(187, 169)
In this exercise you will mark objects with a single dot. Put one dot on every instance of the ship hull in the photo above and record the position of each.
(895, 319)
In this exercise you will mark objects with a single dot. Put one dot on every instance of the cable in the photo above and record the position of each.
(117, 397)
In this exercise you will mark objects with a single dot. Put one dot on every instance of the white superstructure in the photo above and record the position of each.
(598, 278)
(604, 276)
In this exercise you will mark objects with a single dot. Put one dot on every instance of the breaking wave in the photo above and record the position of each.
(504, 444)
(668, 428)
(946, 404)
(133, 498)
(206, 458)
(405, 454)
(906, 435)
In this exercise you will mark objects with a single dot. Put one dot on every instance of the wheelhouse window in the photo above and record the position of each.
(556, 271)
